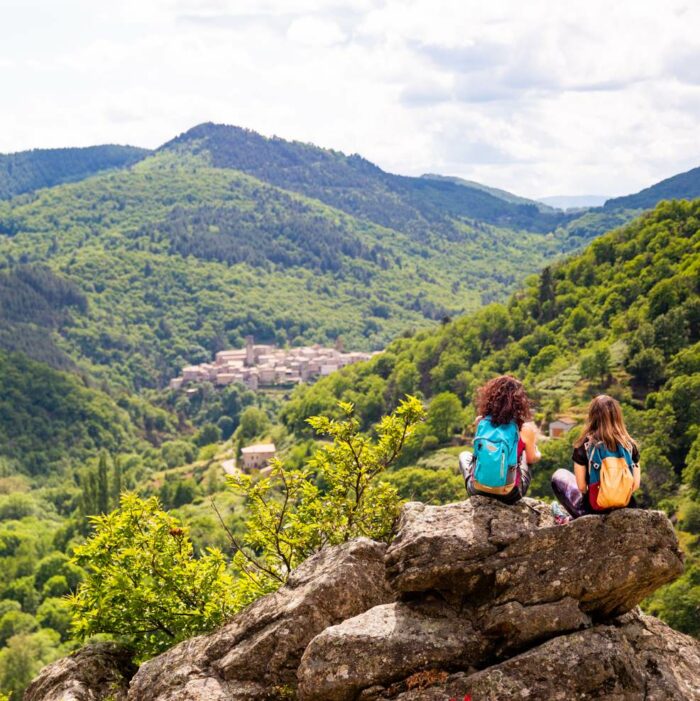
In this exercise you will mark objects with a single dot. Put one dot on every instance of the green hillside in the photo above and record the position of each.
(684, 186)
(34, 304)
(622, 317)
(50, 418)
(419, 206)
(31, 170)
(181, 255)
(635, 288)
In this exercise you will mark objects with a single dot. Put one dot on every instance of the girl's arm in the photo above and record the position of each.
(528, 433)
(580, 473)
(637, 474)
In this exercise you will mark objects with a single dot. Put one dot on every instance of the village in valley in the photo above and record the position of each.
(261, 366)
(258, 365)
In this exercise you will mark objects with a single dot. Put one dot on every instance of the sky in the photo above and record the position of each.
(558, 97)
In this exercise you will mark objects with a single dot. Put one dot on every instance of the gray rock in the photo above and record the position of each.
(256, 655)
(97, 672)
(385, 643)
(436, 545)
(390, 642)
(634, 658)
(493, 601)
(491, 554)
(502, 578)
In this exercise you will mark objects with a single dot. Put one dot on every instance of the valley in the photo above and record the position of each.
(117, 273)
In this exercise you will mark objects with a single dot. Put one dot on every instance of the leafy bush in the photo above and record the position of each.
(337, 496)
(143, 583)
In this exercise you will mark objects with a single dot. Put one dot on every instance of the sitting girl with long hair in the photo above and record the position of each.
(606, 464)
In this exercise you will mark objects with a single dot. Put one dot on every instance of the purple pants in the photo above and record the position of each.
(572, 498)
(569, 495)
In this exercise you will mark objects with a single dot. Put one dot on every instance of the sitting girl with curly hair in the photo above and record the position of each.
(505, 443)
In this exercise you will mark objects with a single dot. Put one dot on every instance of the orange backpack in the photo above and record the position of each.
(611, 476)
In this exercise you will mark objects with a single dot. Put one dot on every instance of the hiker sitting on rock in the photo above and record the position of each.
(606, 464)
(505, 443)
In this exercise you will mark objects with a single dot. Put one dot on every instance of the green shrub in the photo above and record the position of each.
(142, 582)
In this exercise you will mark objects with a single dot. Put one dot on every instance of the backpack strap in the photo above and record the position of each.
(590, 446)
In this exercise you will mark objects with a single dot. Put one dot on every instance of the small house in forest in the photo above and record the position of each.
(258, 456)
(560, 427)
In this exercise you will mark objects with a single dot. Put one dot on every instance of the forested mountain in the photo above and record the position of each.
(31, 170)
(419, 206)
(223, 232)
(684, 186)
(184, 253)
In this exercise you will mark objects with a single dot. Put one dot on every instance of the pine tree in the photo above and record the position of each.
(89, 495)
(103, 484)
(116, 486)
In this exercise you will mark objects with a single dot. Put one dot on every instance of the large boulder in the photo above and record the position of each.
(391, 642)
(97, 672)
(636, 657)
(256, 655)
(480, 581)
(491, 554)
(473, 599)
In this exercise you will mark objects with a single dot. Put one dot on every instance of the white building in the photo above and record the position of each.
(258, 456)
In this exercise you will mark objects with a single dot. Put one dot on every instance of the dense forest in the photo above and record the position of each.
(224, 233)
(31, 170)
(419, 206)
(177, 259)
(623, 317)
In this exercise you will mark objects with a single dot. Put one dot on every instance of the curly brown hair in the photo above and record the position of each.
(504, 399)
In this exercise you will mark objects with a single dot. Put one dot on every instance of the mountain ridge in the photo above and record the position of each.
(26, 171)
(684, 186)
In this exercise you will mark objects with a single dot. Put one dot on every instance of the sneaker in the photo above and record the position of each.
(560, 516)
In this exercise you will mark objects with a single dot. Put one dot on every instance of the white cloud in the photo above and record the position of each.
(538, 97)
(315, 31)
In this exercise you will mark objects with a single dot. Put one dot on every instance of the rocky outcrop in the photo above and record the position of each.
(472, 599)
(97, 672)
(636, 657)
(256, 655)
(488, 555)
(478, 581)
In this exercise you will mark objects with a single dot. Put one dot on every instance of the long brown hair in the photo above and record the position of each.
(504, 399)
(605, 423)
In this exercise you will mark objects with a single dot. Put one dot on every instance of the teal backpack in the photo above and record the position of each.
(496, 456)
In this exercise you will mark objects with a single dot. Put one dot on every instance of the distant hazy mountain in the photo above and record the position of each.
(684, 186)
(30, 170)
(495, 191)
(573, 201)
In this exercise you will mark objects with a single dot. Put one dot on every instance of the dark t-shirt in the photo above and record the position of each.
(579, 456)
